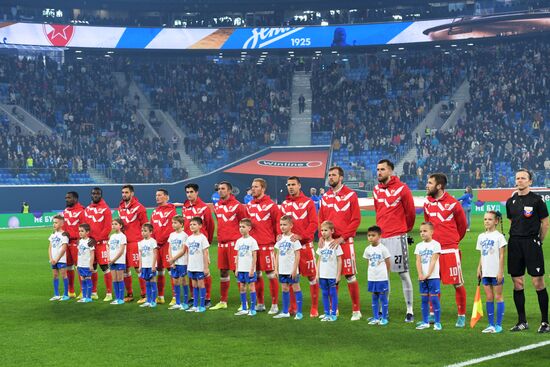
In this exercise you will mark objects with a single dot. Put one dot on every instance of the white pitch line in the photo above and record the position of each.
(501, 354)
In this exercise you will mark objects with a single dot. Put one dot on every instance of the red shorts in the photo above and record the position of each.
(164, 256)
(307, 265)
(450, 267)
(348, 258)
(266, 258)
(72, 253)
(101, 253)
(132, 255)
(226, 256)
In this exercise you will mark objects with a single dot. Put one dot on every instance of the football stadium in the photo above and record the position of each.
(278, 183)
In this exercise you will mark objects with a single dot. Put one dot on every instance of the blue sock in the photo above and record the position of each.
(195, 297)
(153, 292)
(334, 300)
(121, 290)
(252, 300)
(326, 301)
(374, 305)
(115, 288)
(202, 292)
(148, 288)
(490, 312)
(89, 288)
(425, 307)
(56, 287)
(385, 303)
(185, 294)
(500, 313)
(437, 307)
(299, 300)
(243, 301)
(66, 287)
(177, 294)
(286, 301)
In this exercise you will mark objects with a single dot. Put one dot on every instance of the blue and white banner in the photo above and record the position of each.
(62, 35)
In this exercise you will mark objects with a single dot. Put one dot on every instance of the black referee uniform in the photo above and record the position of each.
(525, 247)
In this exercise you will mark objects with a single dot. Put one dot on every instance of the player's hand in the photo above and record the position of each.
(154, 268)
(206, 272)
(421, 277)
(479, 275)
(500, 277)
(139, 270)
(279, 236)
(251, 274)
(336, 243)
(294, 274)
(321, 242)
(295, 237)
(52, 261)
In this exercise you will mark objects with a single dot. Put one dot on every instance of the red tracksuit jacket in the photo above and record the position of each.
(394, 206)
(161, 219)
(73, 216)
(201, 210)
(304, 216)
(134, 215)
(228, 213)
(448, 218)
(342, 209)
(100, 218)
(265, 215)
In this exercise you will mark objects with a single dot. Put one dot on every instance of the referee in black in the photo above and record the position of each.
(529, 216)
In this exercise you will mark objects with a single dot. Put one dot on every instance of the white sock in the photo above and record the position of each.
(407, 290)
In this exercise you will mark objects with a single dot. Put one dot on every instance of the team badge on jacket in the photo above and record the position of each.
(527, 211)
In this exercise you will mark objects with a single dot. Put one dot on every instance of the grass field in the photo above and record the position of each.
(38, 332)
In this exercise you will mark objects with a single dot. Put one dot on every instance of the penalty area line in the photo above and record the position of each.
(501, 354)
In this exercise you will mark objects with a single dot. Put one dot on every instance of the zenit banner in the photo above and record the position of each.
(62, 35)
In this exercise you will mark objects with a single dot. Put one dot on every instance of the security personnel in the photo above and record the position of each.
(529, 224)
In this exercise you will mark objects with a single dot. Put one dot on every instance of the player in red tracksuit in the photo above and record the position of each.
(195, 207)
(98, 215)
(161, 219)
(229, 212)
(340, 205)
(134, 215)
(449, 220)
(73, 216)
(264, 214)
(304, 217)
(395, 214)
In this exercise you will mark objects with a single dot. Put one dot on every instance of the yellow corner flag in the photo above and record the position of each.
(477, 310)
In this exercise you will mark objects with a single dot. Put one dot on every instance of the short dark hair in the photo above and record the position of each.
(338, 168)
(84, 226)
(193, 186)
(164, 191)
(98, 189)
(178, 218)
(74, 194)
(58, 216)
(149, 226)
(226, 183)
(246, 221)
(440, 179)
(429, 224)
(129, 187)
(119, 221)
(529, 173)
(197, 220)
(375, 229)
(294, 178)
(388, 162)
(287, 218)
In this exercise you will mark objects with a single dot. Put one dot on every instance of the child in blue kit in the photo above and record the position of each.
(86, 251)
(197, 264)
(427, 263)
(57, 251)
(148, 254)
(378, 259)
(245, 266)
(329, 270)
(286, 265)
(117, 259)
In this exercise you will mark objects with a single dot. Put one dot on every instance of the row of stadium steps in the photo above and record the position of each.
(32, 177)
(29, 124)
(167, 126)
(433, 120)
(300, 123)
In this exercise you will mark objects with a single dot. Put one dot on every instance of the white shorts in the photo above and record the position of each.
(399, 250)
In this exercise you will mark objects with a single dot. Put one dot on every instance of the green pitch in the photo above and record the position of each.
(38, 332)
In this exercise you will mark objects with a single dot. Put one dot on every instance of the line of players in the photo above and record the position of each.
(395, 214)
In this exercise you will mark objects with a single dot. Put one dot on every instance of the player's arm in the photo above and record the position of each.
(254, 259)
(460, 219)
(543, 228)
(318, 275)
(355, 219)
(139, 261)
(275, 217)
(155, 257)
(479, 267)
(142, 216)
(61, 252)
(50, 254)
(408, 204)
(107, 224)
(419, 267)
(209, 224)
(426, 215)
(276, 265)
(433, 260)
(92, 258)
(388, 265)
(206, 261)
(296, 263)
(312, 217)
(500, 274)
(339, 269)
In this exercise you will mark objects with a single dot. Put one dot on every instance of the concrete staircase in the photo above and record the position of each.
(300, 123)
(433, 120)
(29, 124)
(99, 177)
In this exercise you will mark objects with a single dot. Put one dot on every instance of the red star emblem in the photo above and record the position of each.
(58, 34)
